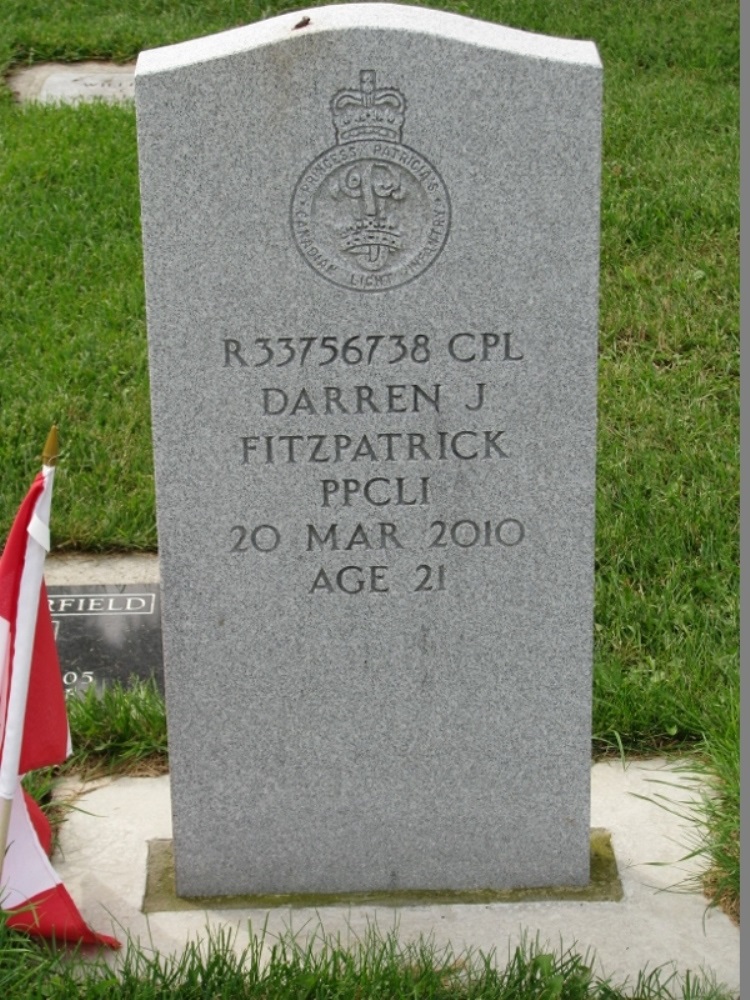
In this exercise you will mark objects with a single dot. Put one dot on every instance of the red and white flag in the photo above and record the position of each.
(33, 728)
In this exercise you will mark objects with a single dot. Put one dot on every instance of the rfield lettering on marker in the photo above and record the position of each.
(107, 604)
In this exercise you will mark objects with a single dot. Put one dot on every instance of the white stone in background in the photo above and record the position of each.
(75, 568)
(72, 83)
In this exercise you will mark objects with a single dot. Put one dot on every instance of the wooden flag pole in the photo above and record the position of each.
(51, 449)
(6, 806)
(49, 459)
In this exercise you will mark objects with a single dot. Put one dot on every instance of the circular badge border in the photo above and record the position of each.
(391, 288)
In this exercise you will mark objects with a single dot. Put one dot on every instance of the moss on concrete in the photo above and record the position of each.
(161, 894)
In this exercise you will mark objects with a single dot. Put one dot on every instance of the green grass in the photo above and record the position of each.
(642, 35)
(72, 340)
(72, 331)
(718, 830)
(119, 729)
(320, 968)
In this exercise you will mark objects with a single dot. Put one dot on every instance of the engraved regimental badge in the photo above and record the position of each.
(370, 214)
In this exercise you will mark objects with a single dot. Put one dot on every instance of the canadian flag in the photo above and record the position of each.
(33, 727)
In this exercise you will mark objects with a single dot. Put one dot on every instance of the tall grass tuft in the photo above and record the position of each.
(119, 729)
(321, 968)
(23, 963)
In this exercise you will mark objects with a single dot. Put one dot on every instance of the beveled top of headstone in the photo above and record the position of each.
(380, 16)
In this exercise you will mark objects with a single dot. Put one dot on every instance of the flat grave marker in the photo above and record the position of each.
(107, 632)
(66, 83)
(371, 258)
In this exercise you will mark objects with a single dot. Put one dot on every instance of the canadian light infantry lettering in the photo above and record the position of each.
(370, 214)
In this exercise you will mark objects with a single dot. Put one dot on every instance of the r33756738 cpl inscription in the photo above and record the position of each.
(360, 349)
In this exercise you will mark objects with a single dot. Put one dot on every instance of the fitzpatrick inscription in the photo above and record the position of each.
(369, 213)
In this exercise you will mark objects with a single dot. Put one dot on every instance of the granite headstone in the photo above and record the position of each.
(371, 258)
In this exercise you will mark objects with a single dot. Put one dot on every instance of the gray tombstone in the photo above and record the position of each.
(371, 252)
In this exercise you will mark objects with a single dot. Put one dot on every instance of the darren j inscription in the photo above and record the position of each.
(370, 214)
(412, 400)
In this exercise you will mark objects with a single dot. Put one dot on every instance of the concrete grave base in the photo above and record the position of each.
(663, 919)
(605, 884)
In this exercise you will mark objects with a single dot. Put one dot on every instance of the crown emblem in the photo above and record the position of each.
(373, 239)
(369, 214)
(368, 113)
